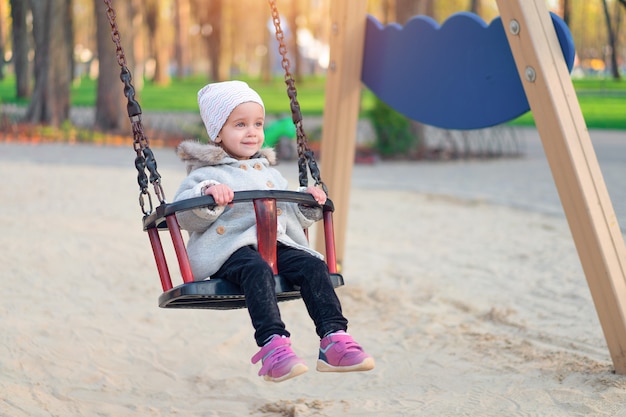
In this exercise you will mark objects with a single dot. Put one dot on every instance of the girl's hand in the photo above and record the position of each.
(318, 194)
(221, 193)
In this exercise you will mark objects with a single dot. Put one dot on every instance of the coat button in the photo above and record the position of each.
(220, 230)
(279, 211)
(270, 184)
(244, 167)
(258, 166)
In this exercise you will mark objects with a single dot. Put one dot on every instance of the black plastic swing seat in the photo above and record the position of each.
(219, 294)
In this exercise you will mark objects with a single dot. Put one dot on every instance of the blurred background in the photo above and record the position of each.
(58, 55)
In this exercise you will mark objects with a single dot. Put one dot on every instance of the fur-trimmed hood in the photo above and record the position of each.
(197, 155)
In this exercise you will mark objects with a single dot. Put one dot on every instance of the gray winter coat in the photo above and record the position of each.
(216, 234)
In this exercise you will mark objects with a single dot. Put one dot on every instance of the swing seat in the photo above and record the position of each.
(217, 293)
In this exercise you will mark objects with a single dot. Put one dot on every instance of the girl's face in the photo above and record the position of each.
(242, 135)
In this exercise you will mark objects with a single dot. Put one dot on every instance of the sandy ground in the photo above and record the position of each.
(462, 281)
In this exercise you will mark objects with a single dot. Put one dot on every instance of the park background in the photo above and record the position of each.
(462, 277)
(174, 47)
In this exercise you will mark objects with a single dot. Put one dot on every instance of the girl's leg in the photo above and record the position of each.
(247, 269)
(338, 351)
(318, 294)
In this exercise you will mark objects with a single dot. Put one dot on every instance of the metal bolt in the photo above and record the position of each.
(514, 27)
(530, 74)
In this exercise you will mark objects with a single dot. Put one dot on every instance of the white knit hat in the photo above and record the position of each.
(216, 101)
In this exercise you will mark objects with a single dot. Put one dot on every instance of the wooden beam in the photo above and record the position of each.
(573, 162)
(341, 110)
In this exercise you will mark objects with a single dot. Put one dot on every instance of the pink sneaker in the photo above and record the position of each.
(279, 361)
(340, 353)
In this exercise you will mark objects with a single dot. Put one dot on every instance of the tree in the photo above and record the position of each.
(2, 41)
(181, 37)
(612, 42)
(110, 100)
(406, 9)
(475, 6)
(135, 36)
(159, 37)
(50, 103)
(210, 21)
(566, 10)
(20, 36)
(293, 40)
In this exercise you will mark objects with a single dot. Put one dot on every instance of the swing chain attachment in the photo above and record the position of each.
(305, 155)
(145, 160)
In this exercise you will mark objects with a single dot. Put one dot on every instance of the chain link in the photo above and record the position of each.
(306, 157)
(144, 160)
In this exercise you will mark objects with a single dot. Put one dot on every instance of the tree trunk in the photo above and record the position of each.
(617, 30)
(181, 43)
(2, 41)
(266, 66)
(225, 48)
(476, 6)
(566, 10)
(214, 39)
(19, 9)
(69, 36)
(159, 31)
(405, 9)
(293, 41)
(136, 43)
(612, 42)
(110, 99)
(50, 103)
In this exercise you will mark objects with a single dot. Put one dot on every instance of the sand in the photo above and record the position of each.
(462, 281)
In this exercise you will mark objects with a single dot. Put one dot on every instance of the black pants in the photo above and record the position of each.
(247, 269)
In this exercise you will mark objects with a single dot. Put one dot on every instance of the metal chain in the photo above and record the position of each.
(145, 160)
(305, 154)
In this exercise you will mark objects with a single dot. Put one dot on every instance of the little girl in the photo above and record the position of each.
(223, 240)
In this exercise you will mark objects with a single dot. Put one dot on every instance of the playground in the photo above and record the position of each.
(481, 287)
(480, 307)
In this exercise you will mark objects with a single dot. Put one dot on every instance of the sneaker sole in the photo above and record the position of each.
(366, 365)
(298, 369)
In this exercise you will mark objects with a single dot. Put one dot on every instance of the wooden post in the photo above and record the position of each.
(341, 109)
(573, 162)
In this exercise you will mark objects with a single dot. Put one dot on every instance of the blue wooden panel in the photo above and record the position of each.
(460, 75)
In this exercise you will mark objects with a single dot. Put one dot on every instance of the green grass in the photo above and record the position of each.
(180, 95)
(603, 101)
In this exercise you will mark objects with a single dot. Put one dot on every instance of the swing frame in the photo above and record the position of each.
(561, 126)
